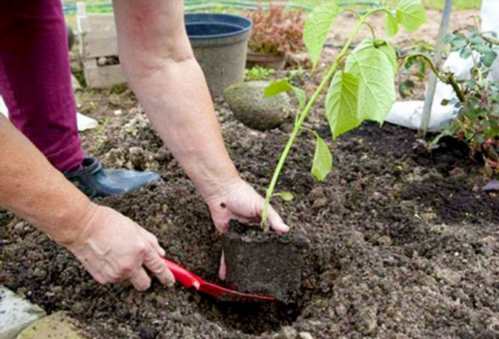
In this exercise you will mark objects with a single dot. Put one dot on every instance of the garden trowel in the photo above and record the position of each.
(191, 280)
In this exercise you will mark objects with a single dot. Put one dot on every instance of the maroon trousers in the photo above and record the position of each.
(35, 78)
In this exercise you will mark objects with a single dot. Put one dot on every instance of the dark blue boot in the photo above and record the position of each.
(95, 181)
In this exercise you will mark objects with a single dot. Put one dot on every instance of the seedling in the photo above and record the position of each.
(360, 83)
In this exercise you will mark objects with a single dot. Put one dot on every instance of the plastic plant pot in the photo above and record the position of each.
(220, 43)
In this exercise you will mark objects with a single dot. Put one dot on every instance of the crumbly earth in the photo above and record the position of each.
(403, 243)
(265, 263)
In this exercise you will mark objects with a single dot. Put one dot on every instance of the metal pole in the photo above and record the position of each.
(432, 82)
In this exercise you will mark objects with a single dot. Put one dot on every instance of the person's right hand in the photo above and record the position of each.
(113, 248)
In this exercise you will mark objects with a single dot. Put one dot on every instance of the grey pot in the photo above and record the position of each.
(220, 43)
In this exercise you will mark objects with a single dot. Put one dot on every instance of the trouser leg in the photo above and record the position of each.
(35, 78)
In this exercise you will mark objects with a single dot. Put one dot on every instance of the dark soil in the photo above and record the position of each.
(403, 243)
(264, 263)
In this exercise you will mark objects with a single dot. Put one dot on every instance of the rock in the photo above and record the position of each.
(492, 186)
(137, 157)
(449, 276)
(356, 238)
(317, 193)
(319, 203)
(75, 83)
(101, 61)
(56, 326)
(16, 313)
(366, 322)
(385, 240)
(305, 335)
(247, 102)
(287, 332)
(341, 310)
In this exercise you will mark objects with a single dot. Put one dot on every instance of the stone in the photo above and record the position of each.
(55, 326)
(247, 102)
(287, 332)
(305, 335)
(367, 321)
(16, 313)
(449, 276)
(492, 186)
(75, 83)
(385, 240)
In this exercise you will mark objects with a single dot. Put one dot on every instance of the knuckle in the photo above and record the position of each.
(114, 277)
(126, 270)
(142, 248)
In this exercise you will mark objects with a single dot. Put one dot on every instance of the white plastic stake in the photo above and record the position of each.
(432, 82)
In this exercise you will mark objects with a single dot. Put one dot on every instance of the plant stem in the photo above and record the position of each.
(303, 115)
(447, 78)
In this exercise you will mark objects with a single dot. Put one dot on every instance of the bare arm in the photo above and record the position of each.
(34, 190)
(110, 246)
(157, 57)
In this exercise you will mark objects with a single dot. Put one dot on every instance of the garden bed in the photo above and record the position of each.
(401, 242)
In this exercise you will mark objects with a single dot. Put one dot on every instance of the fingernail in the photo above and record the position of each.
(283, 228)
(162, 252)
(171, 280)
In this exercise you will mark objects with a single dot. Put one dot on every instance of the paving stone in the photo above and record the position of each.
(16, 313)
(55, 326)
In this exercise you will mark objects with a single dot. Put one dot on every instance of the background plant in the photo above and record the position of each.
(276, 30)
(256, 73)
(477, 96)
(360, 83)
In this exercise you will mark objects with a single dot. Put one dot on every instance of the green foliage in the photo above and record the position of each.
(317, 28)
(323, 160)
(286, 196)
(477, 122)
(360, 84)
(410, 14)
(258, 73)
(284, 85)
(414, 69)
(341, 103)
(457, 4)
(374, 71)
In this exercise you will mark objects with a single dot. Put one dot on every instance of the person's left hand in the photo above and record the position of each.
(239, 201)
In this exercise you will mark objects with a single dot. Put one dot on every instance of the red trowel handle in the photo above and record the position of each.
(183, 276)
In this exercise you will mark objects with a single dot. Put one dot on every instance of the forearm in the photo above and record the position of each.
(171, 87)
(182, 113)
(36, 191)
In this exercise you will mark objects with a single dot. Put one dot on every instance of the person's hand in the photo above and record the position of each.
(241, 202)
(113, 248)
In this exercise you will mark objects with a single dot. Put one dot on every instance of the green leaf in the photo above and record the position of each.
(276, 87)
(323, 160)
(284, 85)
(317, 27)
(374, 69)
(286, 196)
(383, 46)
(391, 55)
(341, 103)
(391, 24)
(411, 14)
(489, 57)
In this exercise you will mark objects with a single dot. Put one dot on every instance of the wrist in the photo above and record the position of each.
(75, 224)
(220, 192)
(214, 181)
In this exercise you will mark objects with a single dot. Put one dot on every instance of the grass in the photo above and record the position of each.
(456, 4)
